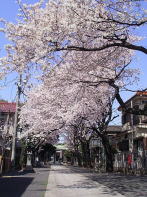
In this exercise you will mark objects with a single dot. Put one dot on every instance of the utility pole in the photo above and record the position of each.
(132, 127)
(132, 136)
(16, 122)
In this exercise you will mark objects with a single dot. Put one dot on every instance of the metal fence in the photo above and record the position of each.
(130, 163)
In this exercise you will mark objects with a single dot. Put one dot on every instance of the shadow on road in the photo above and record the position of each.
(24, 184)
(14, 186)
(70, 170)
(129, 186)
(79, 185)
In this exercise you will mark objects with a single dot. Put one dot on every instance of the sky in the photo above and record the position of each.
(9, 10)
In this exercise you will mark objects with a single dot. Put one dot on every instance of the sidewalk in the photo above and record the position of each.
(21, 184)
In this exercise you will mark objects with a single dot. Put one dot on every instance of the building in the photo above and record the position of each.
(135, 126)
(59, 154)
(132, 142)
(97, 151)
(7, 113)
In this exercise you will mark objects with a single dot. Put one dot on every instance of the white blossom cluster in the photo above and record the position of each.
(77, 88)
(45, 28)
(63, 40)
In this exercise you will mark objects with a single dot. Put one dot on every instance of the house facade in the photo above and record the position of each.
(129, 141)
(7, 113)
(132, 142)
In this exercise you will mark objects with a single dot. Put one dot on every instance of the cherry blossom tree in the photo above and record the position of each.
(77, 136)
(81, 50)
(65, 25)
(91, 105)
(48, 31)
(76, 90)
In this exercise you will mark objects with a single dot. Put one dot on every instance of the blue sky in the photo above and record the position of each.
(9, 10)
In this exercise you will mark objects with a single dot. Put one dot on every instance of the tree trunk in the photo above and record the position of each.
(86, 154)
(2, 160)
(78, 155)
(79, 159)
(108, 152)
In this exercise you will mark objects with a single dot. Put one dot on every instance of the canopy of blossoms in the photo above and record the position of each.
(78, 89)
(78, 47)
(64, 25)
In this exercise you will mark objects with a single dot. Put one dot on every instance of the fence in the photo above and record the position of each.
(130, 163)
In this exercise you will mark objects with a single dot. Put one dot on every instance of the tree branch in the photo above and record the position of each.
(117, 44)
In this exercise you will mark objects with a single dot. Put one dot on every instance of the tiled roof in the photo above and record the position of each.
(138, 94)
(141, 93)
(7, 107)
(114, 128)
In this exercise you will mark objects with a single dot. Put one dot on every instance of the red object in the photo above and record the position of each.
(7, 107)
(141, 93)
(129, 159)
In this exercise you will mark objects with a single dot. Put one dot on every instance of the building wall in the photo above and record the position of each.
(6, 132)
(133, 158)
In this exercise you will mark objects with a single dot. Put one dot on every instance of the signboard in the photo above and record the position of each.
(96, 142)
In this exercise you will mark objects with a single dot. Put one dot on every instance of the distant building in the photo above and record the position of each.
(97, 151)
(59, 154)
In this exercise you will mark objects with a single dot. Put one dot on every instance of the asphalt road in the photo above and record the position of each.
(68, 181)
(24, 184)
(77, 182)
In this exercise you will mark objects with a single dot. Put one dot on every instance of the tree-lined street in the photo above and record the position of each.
(72, 63)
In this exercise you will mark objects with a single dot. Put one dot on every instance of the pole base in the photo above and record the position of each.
(29, 169)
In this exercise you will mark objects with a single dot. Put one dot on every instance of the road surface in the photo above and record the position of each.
(76, 182)
(21, 184)
(68, 181)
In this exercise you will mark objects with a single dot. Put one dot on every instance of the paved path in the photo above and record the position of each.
(74, 182)
(68, 181)
(24, 184)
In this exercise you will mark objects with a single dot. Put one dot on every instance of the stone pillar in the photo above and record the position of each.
(29, 167)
